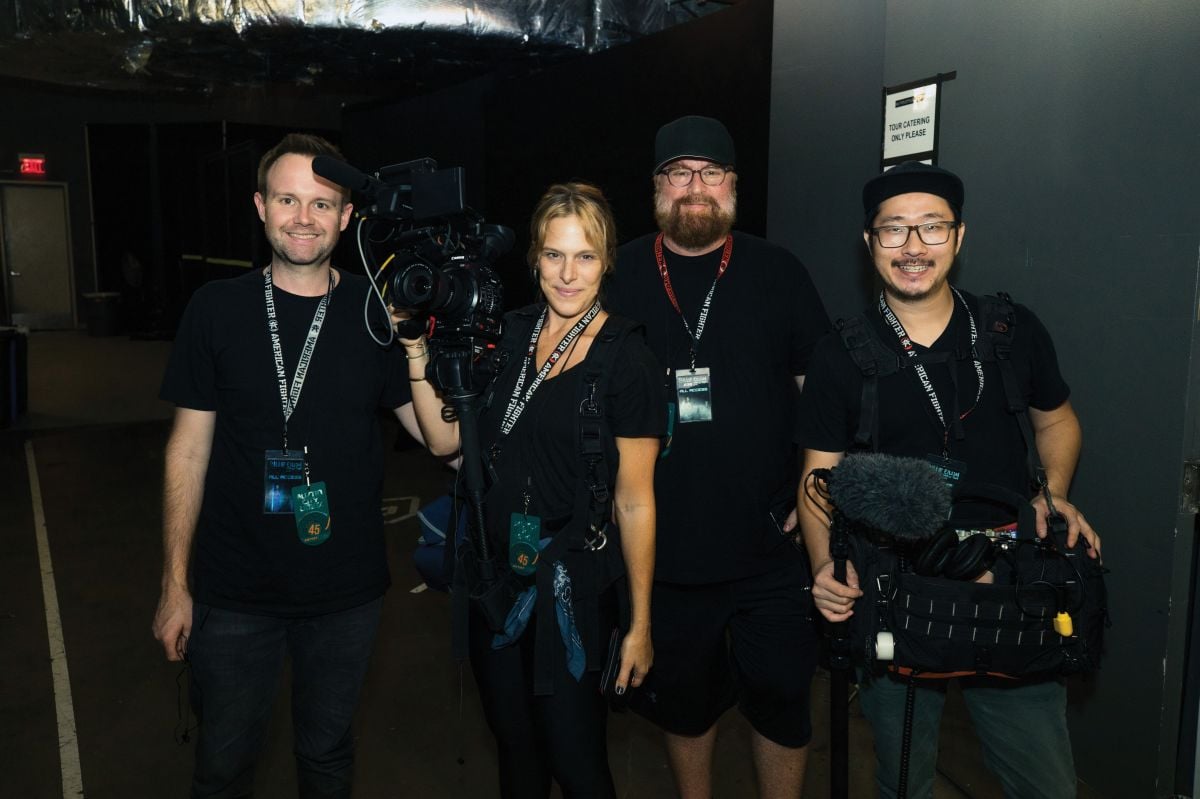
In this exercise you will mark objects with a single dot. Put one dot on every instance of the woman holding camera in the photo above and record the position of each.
(572, 418)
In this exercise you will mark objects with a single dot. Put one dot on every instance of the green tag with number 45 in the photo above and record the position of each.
(311, 507)
(523, 533)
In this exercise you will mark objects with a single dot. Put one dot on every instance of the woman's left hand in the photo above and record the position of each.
(409, 328)
(637, 656)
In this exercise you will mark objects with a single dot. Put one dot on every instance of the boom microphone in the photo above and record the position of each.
(905, 499)
(344, 175)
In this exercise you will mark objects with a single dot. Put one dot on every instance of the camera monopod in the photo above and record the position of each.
(838, 638)
(840, 664)
(479, 577)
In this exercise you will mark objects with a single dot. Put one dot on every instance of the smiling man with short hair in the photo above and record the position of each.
(272, 527)
(946, 403)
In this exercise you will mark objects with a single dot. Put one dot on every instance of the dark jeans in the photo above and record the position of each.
(563, 735)
(236, 660)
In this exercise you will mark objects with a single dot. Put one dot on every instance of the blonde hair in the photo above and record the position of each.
(585, 202)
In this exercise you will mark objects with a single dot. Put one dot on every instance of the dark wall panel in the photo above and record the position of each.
(828, 58)
(448, 126)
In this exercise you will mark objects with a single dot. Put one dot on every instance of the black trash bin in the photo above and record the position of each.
(102, 312)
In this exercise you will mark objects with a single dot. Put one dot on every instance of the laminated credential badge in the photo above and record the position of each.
(311, 507)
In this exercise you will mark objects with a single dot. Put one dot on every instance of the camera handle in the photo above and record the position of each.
(490, 588)
(450, 371)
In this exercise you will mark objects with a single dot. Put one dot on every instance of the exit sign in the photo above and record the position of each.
(31, 164)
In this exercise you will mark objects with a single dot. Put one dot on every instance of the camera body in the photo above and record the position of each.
(439, 266)
(442, 252)
(455, 287)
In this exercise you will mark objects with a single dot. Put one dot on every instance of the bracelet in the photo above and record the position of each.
(412, 379)
(423, 353)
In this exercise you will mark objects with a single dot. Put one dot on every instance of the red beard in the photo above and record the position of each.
(695, 230)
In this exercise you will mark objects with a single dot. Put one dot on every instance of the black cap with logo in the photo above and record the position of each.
(702, 138)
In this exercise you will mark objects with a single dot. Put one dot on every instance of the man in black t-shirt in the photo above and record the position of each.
(273, 533)
(947, 405)
(733, 321)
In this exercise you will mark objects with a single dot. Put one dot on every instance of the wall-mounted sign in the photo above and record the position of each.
(31, 164)
(911, 113)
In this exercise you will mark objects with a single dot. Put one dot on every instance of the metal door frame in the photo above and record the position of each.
(4, 258)
(1179, 755)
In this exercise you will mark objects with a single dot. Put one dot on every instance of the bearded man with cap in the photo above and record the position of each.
(947, 405)
(733, 321)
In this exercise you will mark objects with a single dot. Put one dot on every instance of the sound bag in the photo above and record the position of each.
(1043, 614)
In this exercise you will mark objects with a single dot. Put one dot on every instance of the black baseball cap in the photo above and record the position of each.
(912, 176)
(702, 138)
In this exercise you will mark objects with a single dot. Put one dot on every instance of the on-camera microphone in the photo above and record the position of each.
(344, 175)
(905, 499)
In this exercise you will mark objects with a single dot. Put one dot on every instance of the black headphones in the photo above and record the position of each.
(946, 556)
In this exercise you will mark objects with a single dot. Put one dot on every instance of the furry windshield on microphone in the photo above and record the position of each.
(902, 498)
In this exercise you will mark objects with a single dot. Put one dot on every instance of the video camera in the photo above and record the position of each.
(439, 262)
(439, 266)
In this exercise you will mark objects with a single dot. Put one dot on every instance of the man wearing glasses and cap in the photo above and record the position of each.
(946, 405)
(733, 320)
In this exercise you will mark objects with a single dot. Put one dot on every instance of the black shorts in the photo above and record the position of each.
(750, 641)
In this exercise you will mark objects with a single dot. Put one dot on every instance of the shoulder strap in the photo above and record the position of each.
(596, 444)
(874, 360)
(517, 327)
(999, 318)
(513, 341)
(592, 499)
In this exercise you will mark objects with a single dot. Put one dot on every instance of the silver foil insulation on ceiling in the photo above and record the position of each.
(184, 45)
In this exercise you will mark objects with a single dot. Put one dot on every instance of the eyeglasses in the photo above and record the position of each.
(928, 232)
(681, 176)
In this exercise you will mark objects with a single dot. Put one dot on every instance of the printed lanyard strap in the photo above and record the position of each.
(517, 402)
(666, 279)
(289, 397)
(907, 345)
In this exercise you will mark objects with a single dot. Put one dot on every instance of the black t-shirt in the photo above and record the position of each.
(222, 361)
(715, 488)
(542, 454)
(992, 447)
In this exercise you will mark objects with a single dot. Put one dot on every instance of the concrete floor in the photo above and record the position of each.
(96, 433)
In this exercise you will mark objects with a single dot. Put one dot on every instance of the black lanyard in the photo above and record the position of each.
(289, 397)
(909, 348)
(517, 402)
(661, 260)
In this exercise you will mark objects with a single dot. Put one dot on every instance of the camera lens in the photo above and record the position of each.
(415, 286)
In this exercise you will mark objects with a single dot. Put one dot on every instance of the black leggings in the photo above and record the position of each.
(563, 735)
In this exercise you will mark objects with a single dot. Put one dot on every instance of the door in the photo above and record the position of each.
(35, 252)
